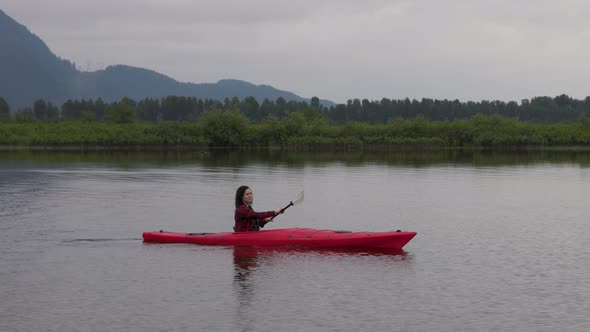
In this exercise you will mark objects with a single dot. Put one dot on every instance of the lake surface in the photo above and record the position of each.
(503, 242)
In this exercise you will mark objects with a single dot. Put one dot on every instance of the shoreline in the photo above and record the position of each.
(292, 148)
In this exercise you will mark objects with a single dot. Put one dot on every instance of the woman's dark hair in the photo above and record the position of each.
(240, 195)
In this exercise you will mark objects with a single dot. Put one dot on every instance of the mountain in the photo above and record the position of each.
(29, 71)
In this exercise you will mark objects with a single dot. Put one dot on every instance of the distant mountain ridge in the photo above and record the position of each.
(29, 71)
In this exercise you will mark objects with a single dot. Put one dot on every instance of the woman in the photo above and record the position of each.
(247, 220)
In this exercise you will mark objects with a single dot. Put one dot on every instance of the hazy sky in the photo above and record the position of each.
(333, 49)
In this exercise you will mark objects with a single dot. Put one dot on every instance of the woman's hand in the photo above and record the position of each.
(279, 211)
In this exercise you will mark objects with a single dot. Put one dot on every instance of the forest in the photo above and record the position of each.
(191, 122)
(189, 109)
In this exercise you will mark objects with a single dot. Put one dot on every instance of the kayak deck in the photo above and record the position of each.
(288, 237)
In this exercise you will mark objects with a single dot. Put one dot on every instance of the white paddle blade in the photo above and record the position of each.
(298, 199)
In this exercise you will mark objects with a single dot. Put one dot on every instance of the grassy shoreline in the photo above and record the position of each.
(227, 130)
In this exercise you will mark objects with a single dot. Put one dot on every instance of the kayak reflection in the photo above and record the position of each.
(245, 257)
(255, 266)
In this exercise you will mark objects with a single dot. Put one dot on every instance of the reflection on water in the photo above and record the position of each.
(236, 158)
(246, 259)
(254, 266)
(245, 262)
(249, 255)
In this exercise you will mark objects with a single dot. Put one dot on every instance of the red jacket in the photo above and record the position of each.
(248, 220)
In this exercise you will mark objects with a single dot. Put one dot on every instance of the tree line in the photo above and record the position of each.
(190, 109)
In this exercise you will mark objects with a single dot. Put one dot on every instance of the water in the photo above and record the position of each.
(502, 242)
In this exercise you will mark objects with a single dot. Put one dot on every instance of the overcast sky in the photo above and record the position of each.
(333, 49)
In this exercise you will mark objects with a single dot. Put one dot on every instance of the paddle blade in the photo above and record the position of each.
(298, 199)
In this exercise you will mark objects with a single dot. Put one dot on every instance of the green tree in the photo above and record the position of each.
(40, 110)
(4, 110)
(280, 108)
(294, 123)
(121, 112)
(315, 102)
(224, 128)
(249, 107)
(314, 116)
(175, 108)
(52, 112)
(266, 108)
(149, 110)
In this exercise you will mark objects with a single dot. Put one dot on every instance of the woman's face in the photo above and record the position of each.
(248, 197)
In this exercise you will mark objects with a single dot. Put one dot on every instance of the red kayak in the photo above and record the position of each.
(289, 237)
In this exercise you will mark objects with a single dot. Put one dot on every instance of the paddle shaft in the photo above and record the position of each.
(283, 210)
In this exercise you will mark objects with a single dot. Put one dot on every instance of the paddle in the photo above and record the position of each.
(298, 199)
